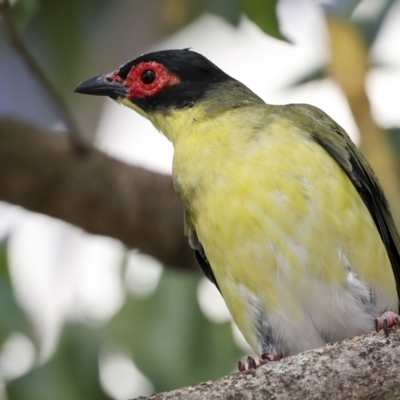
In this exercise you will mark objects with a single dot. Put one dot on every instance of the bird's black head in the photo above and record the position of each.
(160, 80)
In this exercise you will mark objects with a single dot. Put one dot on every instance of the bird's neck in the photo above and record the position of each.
(176, 123)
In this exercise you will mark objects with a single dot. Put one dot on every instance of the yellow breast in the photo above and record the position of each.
(283, 227)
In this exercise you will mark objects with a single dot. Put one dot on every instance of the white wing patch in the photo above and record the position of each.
(359, 289)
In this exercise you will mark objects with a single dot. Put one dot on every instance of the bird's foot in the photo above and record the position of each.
(251, 362)
(386, 320)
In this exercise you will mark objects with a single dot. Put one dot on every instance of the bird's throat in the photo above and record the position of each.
(177, 123)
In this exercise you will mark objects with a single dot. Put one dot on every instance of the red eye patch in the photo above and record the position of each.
(137, 89)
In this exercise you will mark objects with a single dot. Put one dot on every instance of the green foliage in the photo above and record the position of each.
(24, 10)
(72, 373)
(58, 27)
(314, 75)
(263, 13)
(171, 341)
(166, 335)
(370, 27)
(11, 316)
(370, 24)
(231, 10)
(393, 135)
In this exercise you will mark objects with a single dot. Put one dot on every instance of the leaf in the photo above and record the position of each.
(370, 27)
(11, 315)
(393, 136)
(25, 10)
(263, 14)
(230, 10)
(314, 75)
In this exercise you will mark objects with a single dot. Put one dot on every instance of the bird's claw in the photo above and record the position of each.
(251, 362)
(385, 321)
(266, 358)
(241, 366)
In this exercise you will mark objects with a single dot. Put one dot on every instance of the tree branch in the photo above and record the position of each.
(364, 367)
(98, 193)
(78, 141)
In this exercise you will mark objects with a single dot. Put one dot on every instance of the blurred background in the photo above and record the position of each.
(83, 316)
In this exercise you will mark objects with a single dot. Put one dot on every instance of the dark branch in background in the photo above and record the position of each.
(98, 193)
(78, 141)
(86, 188)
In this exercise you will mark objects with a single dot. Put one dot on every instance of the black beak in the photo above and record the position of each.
(102, 86)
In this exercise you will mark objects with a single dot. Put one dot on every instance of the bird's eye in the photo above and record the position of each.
(148, 76)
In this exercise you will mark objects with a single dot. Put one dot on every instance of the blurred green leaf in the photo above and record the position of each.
(263, 13)
(230, 10)
(12, 318)
(371, 25)
(56, 46)
(171, 341)
(314, 75)
(25, 10)
(393, 135)
(368, 22)
(72, 373)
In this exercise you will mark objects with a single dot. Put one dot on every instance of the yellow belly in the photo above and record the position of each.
(285, 232)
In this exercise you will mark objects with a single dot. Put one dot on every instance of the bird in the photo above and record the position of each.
(284, 213)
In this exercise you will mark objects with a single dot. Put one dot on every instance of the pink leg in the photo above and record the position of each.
(386, 320)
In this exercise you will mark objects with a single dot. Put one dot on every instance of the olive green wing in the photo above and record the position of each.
(338, 144)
